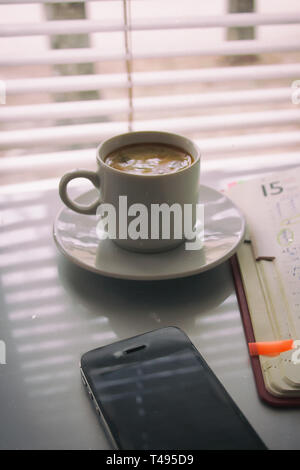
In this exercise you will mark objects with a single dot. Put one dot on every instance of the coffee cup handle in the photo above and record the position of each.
(81, 209)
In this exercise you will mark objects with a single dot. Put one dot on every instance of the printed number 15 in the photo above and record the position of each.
(273, 189)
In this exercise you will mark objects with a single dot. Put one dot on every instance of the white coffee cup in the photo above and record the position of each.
(181, 187)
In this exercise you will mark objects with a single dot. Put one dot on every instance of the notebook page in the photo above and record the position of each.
(272, 208)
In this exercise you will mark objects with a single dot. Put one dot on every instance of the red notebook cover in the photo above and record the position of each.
(246, 319)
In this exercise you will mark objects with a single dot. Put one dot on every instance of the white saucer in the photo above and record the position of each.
(75, 236)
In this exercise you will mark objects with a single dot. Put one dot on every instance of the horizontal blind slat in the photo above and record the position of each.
(162, 77)
(251, 142)
(110, 25)
(88, 133)
(70, 56)
(89, 108)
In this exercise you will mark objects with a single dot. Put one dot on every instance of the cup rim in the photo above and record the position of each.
(115, 170)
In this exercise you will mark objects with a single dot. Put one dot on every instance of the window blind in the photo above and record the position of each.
(231, 96)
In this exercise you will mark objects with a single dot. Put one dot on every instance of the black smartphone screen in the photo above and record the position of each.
(155, 391)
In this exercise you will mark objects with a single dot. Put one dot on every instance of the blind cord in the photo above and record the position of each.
(128, 55)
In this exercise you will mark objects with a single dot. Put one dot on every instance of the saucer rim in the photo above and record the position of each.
(154, 277)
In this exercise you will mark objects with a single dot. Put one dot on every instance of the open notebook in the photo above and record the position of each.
(269, 262)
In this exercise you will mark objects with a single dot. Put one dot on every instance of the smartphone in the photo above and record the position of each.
(155, 391)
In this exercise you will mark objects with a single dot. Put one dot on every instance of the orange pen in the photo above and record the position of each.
(270, 348)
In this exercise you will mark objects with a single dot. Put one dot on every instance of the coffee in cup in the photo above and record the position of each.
(149, 159)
